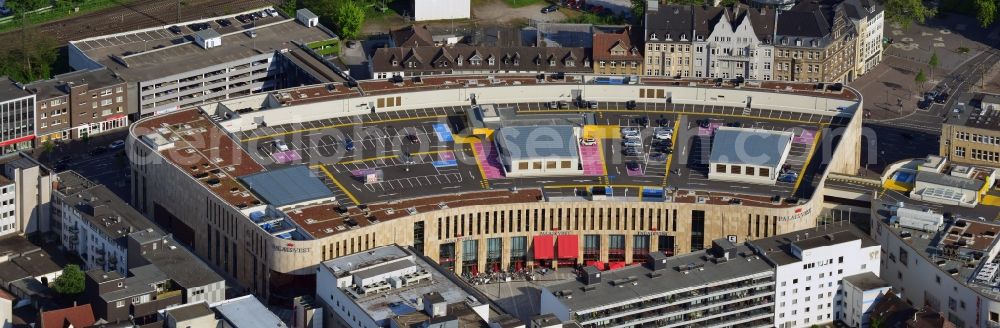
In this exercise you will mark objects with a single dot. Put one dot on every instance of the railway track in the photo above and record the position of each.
(134, 15)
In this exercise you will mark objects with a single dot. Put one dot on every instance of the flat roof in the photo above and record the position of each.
(37, 263)
(10, 91)
(140, 282)
(156, 53)
(948, 180)
(749, 146)
(247, 311)
(16, 245)
(977, 117)
(743, 265)
(536, 142)
(108, 213)
(778, 249)
(190, 311)
(182, 266)
(399, 301)
(58, 85)
(867, 281)
(287, 186)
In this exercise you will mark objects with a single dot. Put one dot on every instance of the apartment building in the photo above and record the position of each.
(815, 43)
(17, 107)
(214, 62)
(668, 38)
(81, 103)
(809, 268)
(972, 136)
(868, 19)
(616, 54)
(8, 222)
(725, 286)
(28, 184)
(432, 60)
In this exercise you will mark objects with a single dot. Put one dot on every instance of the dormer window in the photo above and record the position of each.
(668, 37)
(395, 63)
(814, 43)
(701, 38)
(492, 61)
(516, 62)
(475, 61)
(586, 63)
(684, 37)
(459, 60)
(798, 43)
(652, 36)
(570, 63)
(552, 62)
(410, 64)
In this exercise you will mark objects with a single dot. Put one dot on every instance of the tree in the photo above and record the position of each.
(986, 12)
(70, 282)
(933, 63)
(348, 16)
(31, 59)
(905, 12)
(24, 6)
(728, 3)
(920, 79)
(638, 9)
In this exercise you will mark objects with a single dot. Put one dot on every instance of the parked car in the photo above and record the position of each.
(592, 104)
(664, 134)
(553, 105)
(175, 29)
(630, 131)
(632, 143)
(280, 145)
(413, 138)
(630, 151)
(941, 98)
(550, 9)
(588, 141)
(632, 165)
(349, 144)
(704, 123)
(224, 22)
(630, 104)
(117, 144)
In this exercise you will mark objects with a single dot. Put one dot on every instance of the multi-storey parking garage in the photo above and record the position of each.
(411, 163)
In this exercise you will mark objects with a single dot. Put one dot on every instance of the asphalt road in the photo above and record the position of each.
(109, 168)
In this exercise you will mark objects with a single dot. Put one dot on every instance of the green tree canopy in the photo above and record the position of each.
(986, 12)
(921, 78)
(31, 58)
(70, 282)
(934, 61)
(638, 9)
(348, 16)
(906, 12)
(22, 6)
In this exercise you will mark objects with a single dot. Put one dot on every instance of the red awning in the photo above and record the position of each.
(543, 247)
(597, 264)
(615, 265)
(568, 246)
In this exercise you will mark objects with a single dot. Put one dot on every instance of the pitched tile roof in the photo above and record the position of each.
(456, 58)
(606, 44)
(411, 36)
(78, 316)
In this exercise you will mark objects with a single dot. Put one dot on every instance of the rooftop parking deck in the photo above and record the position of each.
(160, 52)
(418, 158)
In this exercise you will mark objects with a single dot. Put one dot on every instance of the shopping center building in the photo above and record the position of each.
(405, 152)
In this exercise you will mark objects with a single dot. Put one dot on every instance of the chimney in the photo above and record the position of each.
(592, 276)
(657, 261)
(434, 305)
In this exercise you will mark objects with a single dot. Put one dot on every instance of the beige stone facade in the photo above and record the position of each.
(224, 237)
(961, 143)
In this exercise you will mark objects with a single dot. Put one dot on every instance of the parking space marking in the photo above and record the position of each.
(367, 159)
(339, 185)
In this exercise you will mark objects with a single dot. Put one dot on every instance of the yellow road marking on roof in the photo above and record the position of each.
(673, 148)
(368, 159)
(787, 120)
(298, 131)
(812, 150)
(404, 119)
(432, 152)
(604, 164)
(342, 188)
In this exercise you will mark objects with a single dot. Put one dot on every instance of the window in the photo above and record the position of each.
(721, 168)
(764, 172)
(960, 151)
(120, 304)
(106, 92)
(735, 169)
(106, 102)
(550, 164)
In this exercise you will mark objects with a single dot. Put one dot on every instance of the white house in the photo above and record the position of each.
(426, 10)
(739, 44)
(859, 293)
(809, 266)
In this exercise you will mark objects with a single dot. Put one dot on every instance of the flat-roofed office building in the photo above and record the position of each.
(170, 67)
